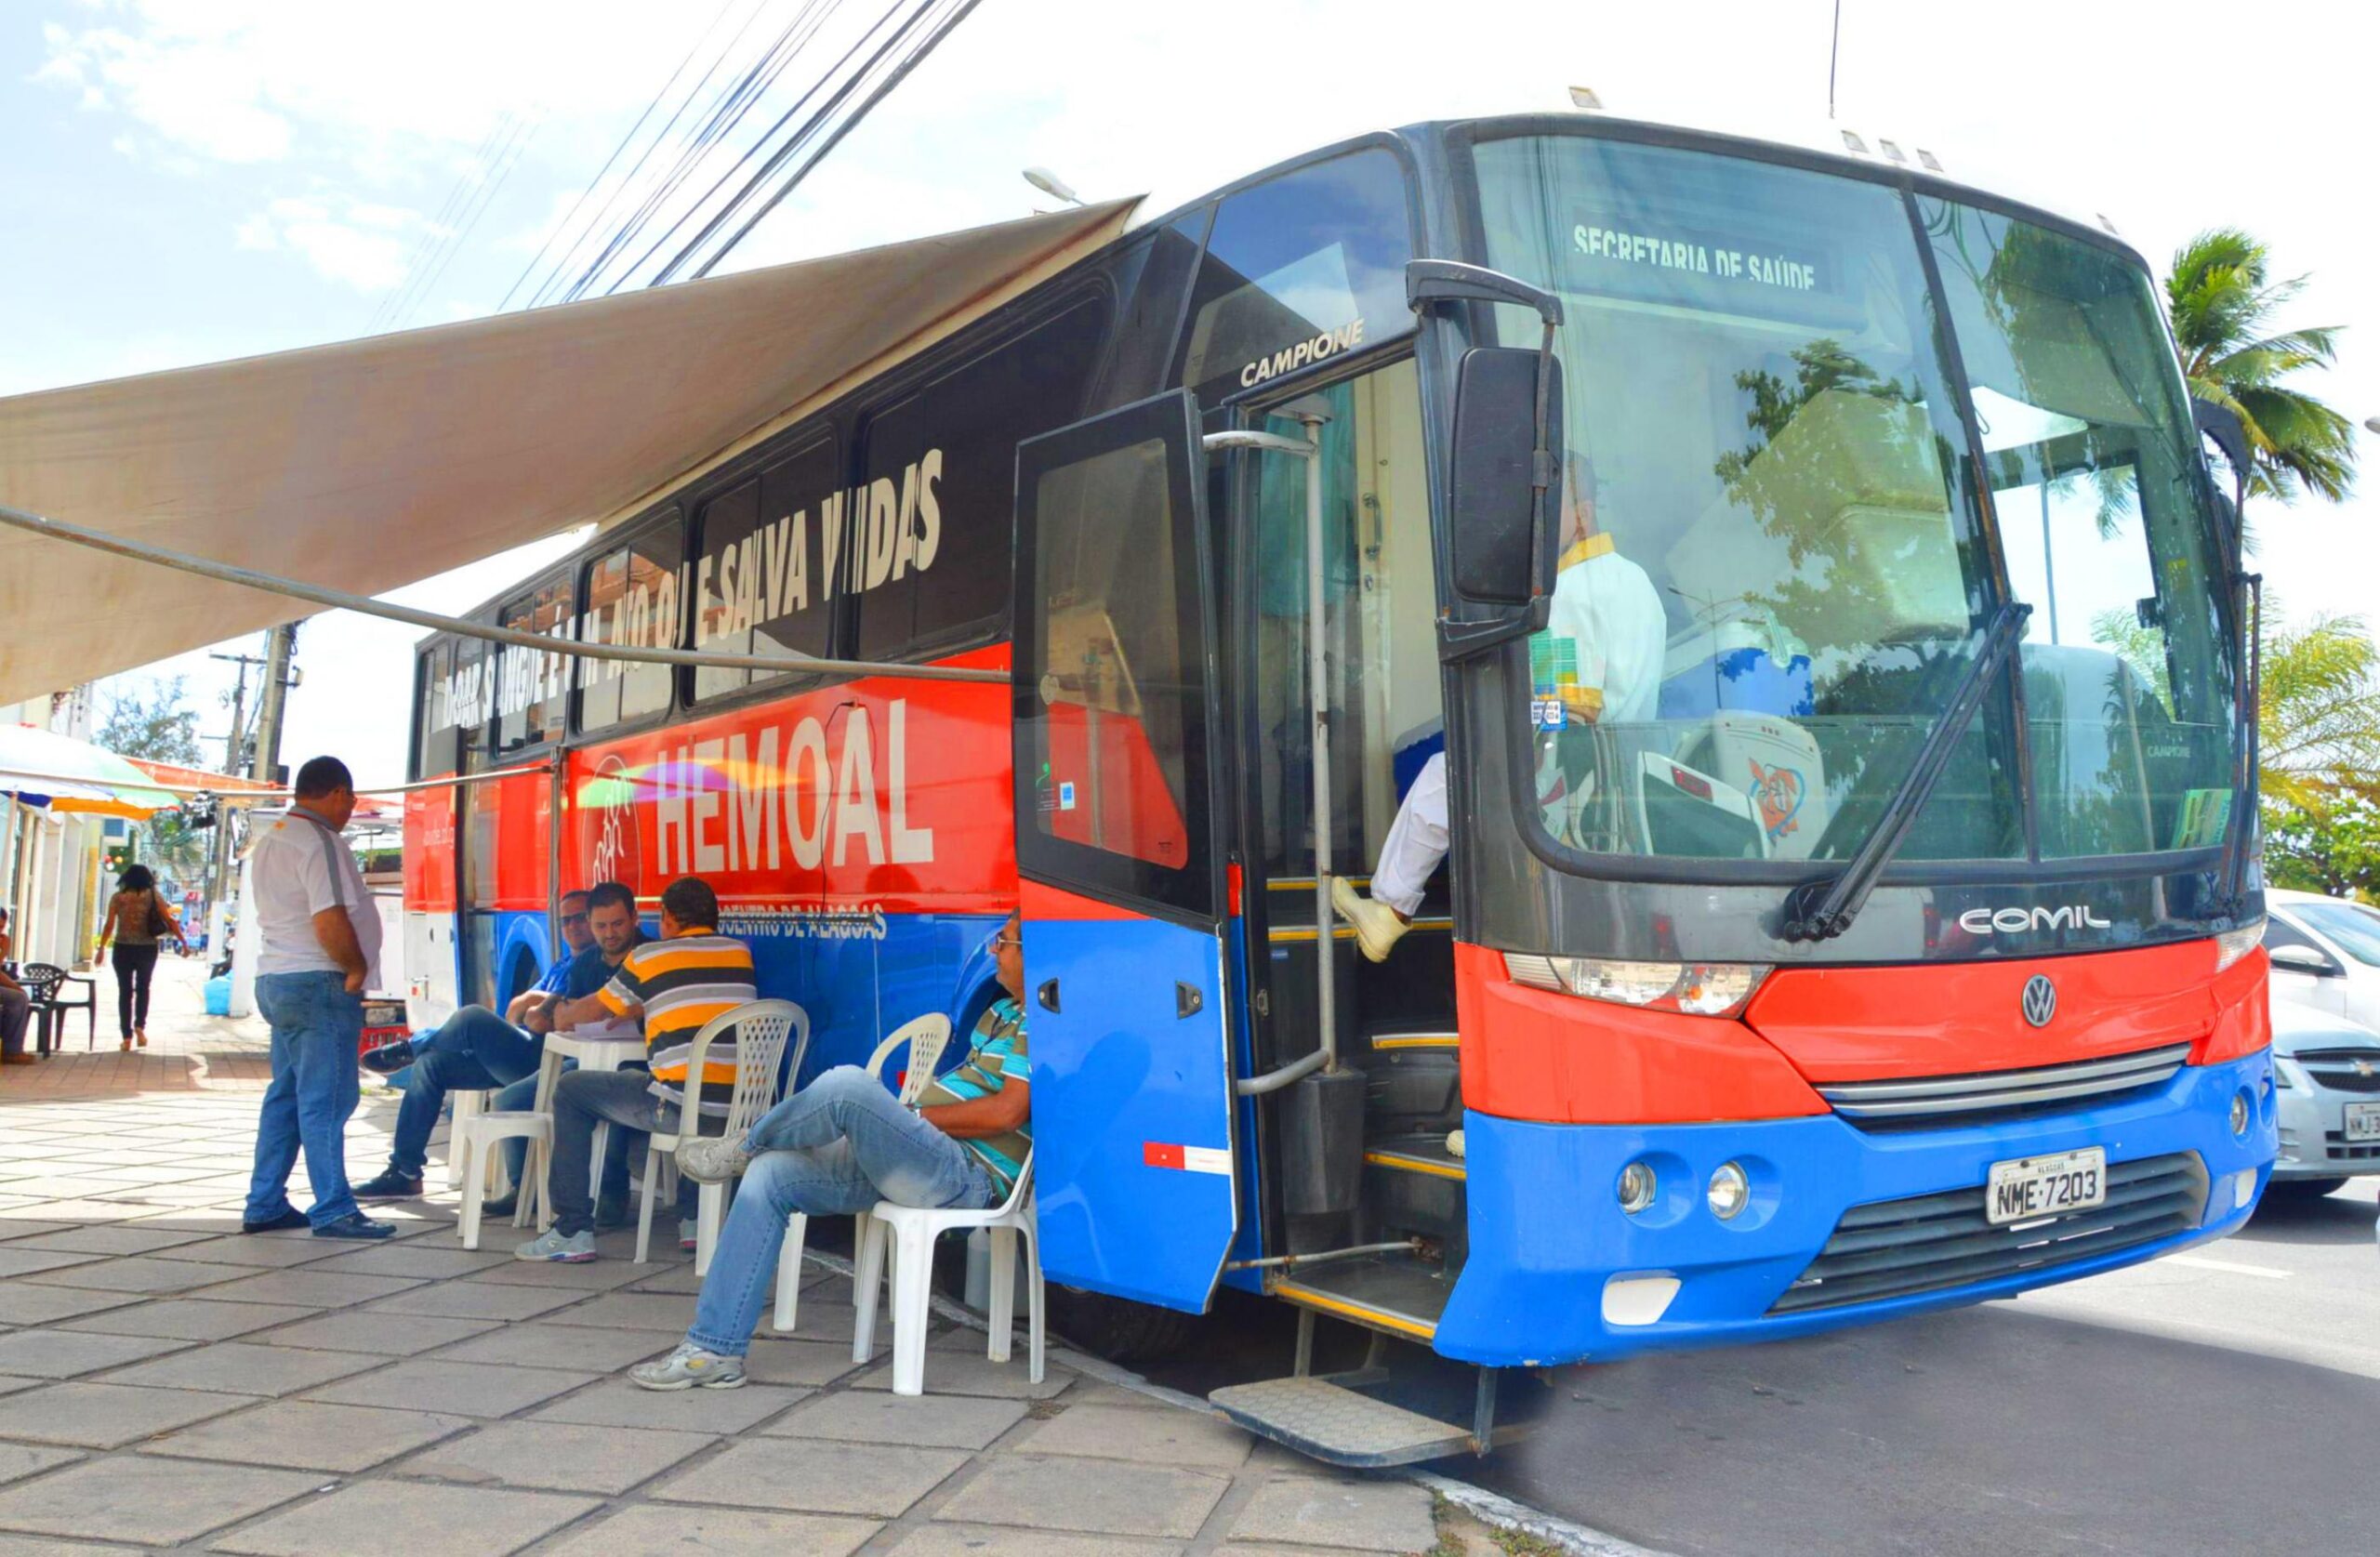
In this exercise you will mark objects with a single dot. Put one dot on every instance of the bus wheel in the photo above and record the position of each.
(1119, 1329)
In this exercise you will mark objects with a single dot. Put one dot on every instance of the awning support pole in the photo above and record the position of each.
(339, 599)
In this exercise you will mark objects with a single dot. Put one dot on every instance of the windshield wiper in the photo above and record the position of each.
(1822, 910)
(2249, 706)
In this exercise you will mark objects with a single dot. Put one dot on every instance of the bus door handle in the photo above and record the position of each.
(1188, 1000)
(1048, 996)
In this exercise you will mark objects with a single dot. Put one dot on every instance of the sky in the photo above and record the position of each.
(191, 180)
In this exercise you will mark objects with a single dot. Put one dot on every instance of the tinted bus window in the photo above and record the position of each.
(932, 559)
(632, 596)
(532, 691)
(1298, 270)
(1150, 277)
(768, 547)
(471, 700)
(433, 742)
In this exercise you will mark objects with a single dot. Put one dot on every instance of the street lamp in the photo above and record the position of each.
(1051, 184)
(2371, 424)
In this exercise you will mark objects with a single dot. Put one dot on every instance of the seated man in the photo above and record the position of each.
(1607, 631)
(475, 1049)
(679, 983)
(841, 1144)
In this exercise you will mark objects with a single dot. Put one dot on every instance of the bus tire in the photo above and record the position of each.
(1119, 1329)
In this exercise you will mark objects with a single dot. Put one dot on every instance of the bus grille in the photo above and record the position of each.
(1893, 1249)
(1940, 1100)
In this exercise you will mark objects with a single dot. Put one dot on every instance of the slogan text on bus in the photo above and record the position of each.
(780, 568)
(1703, 259)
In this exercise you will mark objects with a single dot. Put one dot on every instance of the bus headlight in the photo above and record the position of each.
(2231, 945)
(1693, 988)
(1637, 1187)
(1729, 1192)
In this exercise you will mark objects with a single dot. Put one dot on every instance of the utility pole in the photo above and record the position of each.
(280, 648)
(233, 744)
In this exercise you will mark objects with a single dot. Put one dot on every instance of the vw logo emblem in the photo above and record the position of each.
(2040, 1001)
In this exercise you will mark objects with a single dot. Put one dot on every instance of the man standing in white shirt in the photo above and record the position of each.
(320, 950)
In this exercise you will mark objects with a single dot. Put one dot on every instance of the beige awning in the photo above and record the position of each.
(372, 464)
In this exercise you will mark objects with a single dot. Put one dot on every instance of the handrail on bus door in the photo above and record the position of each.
(1318, 704)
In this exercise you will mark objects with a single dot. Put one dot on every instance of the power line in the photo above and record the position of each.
(507, 158)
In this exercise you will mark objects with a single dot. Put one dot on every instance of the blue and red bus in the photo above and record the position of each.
(1899, 952)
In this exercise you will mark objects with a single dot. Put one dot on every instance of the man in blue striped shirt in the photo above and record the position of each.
(841, 1144)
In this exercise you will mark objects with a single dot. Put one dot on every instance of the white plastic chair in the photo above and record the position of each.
(761, 1029)
(910, 1232)
(473, 1159)
(925, 1038)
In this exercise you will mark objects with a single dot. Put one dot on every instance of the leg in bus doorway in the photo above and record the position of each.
(1417, 842)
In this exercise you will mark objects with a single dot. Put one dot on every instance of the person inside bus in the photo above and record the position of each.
(1609, 623)
(838, 1146)
(476, 1051)
(676, 985)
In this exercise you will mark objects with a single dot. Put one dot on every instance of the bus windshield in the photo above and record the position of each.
(1777, 556)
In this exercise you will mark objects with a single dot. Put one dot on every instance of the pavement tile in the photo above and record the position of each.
(1105, 1497)
(184, 1319)
(83, 1211)
(814, 1476)
(817, 1318)
(316, 1288)
(541, 1345)
(592, 1275)
(971, 1373)
(920, 1421)
(267, 1251)
(643, 1530)
(138, 1272)
(1241, 1549)
(309, 1435)
(427, 1261)
(19, 1460)
(240, 1368)
(799, 1362)
(410, 1519)
(1183, 1438)
(16, 1259)
(558, 1456)
(1368, 1516)
(13, 1226)
(617, 1403)
(474, 1300)
(10, 1385)
(984, 1540)
(1273, 1460)
(50, 1353)
(386, 1334)
(43, 1305)
(105, 1415)
(468, 1389)
(136, 1499)
(630, 1311)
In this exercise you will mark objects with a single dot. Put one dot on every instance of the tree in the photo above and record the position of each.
(162, 726)
(2321, 721)
(2221, 301)
(2332, 846)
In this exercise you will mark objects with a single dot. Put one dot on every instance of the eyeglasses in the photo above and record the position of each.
(573, 918)
(1006, 940)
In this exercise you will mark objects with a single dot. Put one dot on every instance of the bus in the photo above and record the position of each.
(1894, 948)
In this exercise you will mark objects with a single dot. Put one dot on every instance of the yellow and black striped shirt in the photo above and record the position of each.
(681, 983)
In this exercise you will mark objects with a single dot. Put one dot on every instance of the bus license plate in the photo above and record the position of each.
(2363, 1121)
(2031, 1187)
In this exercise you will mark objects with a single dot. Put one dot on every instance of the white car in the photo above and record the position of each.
(2325, 953)
(2326, 1082)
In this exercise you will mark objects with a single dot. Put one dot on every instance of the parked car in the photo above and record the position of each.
(2326, 1079)
(2325, 953)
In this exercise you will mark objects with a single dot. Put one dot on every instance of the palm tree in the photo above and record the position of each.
(2320, 721)
(2222, 302)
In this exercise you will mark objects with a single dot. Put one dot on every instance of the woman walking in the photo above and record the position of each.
(138, 919)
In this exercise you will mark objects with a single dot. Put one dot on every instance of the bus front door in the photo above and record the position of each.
(1121, 886)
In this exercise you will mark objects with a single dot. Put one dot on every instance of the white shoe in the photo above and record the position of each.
(1378, 925)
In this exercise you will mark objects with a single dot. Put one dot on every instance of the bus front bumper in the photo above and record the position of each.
(1558, 1273)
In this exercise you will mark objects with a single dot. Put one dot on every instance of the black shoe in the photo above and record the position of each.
(287, 1221)
(610, 1214)
(390, 1058)
(500, 1209)
(355, 1225)
(389, 1185)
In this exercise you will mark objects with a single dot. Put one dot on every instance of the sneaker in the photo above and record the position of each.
(567, 1248)
(389, 1185)
(390, 1058)
(289, 1220)
(712, 1160)
(1378, 925)
(689, 1235)
(355, 1225)
(690, 1367)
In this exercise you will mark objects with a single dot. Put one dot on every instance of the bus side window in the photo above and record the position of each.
(766, 570)
(433, 750)
(1150, 276)
(531, 702)
(631, 601)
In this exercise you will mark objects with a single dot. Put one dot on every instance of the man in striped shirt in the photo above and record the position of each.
(676, 985)
(841, 1144)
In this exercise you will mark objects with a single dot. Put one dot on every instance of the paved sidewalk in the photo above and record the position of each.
(165, 1382)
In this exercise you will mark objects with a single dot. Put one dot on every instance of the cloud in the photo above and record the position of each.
(359, 244)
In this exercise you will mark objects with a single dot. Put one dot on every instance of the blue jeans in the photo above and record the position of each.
(838, 1145)
(473, 1050)
(622, 1098)
(316, 1025)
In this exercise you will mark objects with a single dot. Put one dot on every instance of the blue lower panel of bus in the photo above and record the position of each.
(1558, 1273)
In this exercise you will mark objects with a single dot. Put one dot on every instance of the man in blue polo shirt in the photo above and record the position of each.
(476, 1051)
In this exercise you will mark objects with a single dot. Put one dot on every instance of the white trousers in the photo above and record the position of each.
(1416, 840)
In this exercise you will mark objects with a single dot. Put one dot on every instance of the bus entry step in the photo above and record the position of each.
(1317, 1418)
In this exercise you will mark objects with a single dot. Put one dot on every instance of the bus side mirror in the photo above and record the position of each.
(1501, 534)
